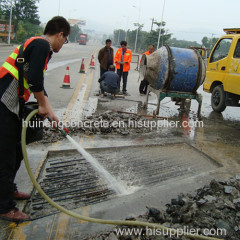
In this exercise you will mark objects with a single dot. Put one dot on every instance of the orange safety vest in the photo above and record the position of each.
(146, 53)
(127, 58)
(9, 66)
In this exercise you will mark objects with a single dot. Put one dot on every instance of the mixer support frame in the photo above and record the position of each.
(161, 94)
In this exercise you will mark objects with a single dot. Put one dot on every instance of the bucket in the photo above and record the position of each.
(174, 69)
(35, 126)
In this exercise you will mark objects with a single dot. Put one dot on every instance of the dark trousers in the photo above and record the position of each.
(105, 88)
(143, 86)
(102, 71)
(124, 76)
(10, 156)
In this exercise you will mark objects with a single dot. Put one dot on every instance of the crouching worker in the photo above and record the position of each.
(109, 82)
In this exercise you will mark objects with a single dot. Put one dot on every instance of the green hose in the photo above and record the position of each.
(81, 217)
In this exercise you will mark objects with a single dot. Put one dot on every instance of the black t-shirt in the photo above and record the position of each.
(35, 56)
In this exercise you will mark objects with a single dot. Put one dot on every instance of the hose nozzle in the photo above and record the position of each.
(63, 131)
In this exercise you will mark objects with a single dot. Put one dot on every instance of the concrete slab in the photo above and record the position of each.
(70, 180)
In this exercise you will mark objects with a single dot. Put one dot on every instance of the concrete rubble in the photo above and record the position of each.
(215, 206)
(108, 122)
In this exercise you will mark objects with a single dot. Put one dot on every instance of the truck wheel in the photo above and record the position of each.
(218, 99)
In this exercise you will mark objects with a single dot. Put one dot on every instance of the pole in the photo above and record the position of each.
(137, 29)
(10, 24)
(211, 41)
(118, 36)
(159, 35)
(136, 39)
(58, 7)
(127, 29)
(152, 23)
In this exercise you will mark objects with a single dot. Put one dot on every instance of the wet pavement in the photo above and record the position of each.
(206, 152)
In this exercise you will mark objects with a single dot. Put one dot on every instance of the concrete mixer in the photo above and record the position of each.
(173, 72)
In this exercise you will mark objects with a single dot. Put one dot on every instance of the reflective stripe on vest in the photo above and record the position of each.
(14, 73)
(9, 66)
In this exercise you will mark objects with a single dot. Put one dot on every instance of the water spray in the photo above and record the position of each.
(113, 183)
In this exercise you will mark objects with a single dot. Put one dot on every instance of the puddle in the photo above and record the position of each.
(230, 113)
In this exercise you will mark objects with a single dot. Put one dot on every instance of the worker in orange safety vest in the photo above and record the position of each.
(35, 54)
(144, 83)
(123, 58)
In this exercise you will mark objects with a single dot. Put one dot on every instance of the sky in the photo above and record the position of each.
(186, 19)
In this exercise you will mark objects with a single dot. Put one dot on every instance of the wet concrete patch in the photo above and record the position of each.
(72, 182)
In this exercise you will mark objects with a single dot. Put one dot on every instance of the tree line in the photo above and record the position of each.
(151, 38)
(24, 17)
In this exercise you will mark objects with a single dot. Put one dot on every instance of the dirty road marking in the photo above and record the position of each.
(68, 111)
(17, 232)
(62, 226)
(79, 105)
(52, 227)
(85, 211)
(81, 93)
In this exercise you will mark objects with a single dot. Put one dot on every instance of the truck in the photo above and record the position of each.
(223, 71)
(82, 39)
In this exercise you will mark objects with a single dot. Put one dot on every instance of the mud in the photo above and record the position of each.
(215, 206)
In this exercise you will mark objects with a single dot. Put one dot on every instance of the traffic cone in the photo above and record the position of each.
(66, 80)
(92, 64)
(82, 67)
